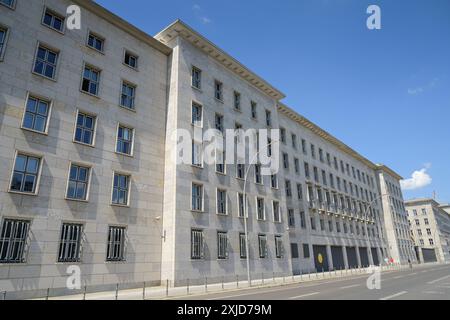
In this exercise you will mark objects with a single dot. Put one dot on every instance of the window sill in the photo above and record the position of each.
(83, 144)
(197, 166)
(127, 108)
(197, 89)
(131, 67)
(219, 100)
(77, 200)
(23, 193)
(44, 133)
(197, 211)
(96, 50)
(44, 77)
(90, 94)
(221, 173)
(120, 205)
(124, 154)
(222, 214)
(61, 32)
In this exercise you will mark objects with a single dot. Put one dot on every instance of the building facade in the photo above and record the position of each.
(90, 179)
(430, 228)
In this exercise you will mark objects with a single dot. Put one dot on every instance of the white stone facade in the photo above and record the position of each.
(158, 216)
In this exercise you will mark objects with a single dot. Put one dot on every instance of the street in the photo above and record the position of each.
(423, 282)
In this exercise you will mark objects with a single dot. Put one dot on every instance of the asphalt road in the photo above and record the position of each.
(421, 283)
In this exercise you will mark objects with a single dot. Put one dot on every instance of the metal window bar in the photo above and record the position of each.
(116, 244)
(242, 246)
(14, 241)
(70, 243)
(222, 242)
(197, 249)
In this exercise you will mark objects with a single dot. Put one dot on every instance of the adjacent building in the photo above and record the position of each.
(89, 179)
(430, 229)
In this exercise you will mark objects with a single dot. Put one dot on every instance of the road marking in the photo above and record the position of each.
(394, 295)
(348, 287)
(412, 274)
(304, 295)
(433, 292)
(437, 280)
(398, 277)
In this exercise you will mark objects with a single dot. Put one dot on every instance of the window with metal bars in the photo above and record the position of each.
(279, 246)
(116, 244)
(70, 243)
(222, 245)
(242, 246)
(262, 241)
(241, 204)
(13, 240)
(197, 247)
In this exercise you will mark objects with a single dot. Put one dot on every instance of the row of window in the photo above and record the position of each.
(198, 245)
(27, 170)
(15, 240)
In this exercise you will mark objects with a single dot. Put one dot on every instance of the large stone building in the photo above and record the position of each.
(430, 228)
(87, 118)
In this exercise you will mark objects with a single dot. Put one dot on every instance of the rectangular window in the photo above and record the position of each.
(307, 170)
(46, 62)
(274, 181)
(197, 114)
(220, 161)
(260, 211)
(218, 90)
(294, 251)
(313, 223)
(237, 100)
(221, 201)
(197, 151)
(131, 60)
(296, 166)
(95, 42)
(258, 177)
(338, 226)
(36, 115)
(294, 141)
(91, 80)
(304, 146)
(77, 188)
(321, 155)
(291, 218)
(240, 170)
(262, 241)
(125, 140)
(85, 130)
(241, 208)
(197, 197)
(306, 254)
(288, 188)
(128, 95)
(116, 244)
(268, 118)
(242, 246)
(279, 247)
(286, 161)
(8, 3)
(53, 20)
(70, 243)
(219, 122)
(253, 110)
(303, 220)
(313, 151)
(26, 174)
(197, 247)
(276, 211)
(196, 78)
(13, 240)
(299, 191)
(222, 245)
(3, 35)
(283, 135)
(121, 189)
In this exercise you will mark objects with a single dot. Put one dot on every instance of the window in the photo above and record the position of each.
(279, 247)
(116, 244)
(431, 241)
(419, 232)
(424, 212)
(426, 221)
(302, 220)
(85, 129)
(237, 100)
(253, 110)
(197, 114)
(304, 146)
(296, 166)
(53, 20)
(124, 140)
(242, 246)
(219, 122)
(291, 218)
(240, 170)
(417, 222)
(274, 181)
(338, 226)
(197, 197)
(131, 60)
(121, 188)
(288, 188)
(77, 188)
(306, 253)
(260, 212)
(128, 95)
(283, 135)
(222, 245)
(268, 118)
(241, 208)
(221, 201)
(220, 161)
(258, 177)
(197, 246)
(307, 170)
(36, 115)
(294, 251)
(422, 243)
(45, 62)
(13, 240)
(197, 151)
(262, 241)
(429, 232)
(313, 223)
(95, 42)
(218, 87)
(313, 151)
(299, 191)
(322, 225)
(26, 174)
(91, 80)
(294, 141)
(3, 36)
(9, 3)
(196, 78)
(276, 211)
(70, 243)
(285, 161)
(321, 155)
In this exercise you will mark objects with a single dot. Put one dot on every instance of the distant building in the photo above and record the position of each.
(430, 228)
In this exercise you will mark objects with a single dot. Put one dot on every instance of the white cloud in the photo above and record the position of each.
(422, 89)
(419, 179)
(198, 13)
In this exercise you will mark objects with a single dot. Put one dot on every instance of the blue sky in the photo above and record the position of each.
(385, 93)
